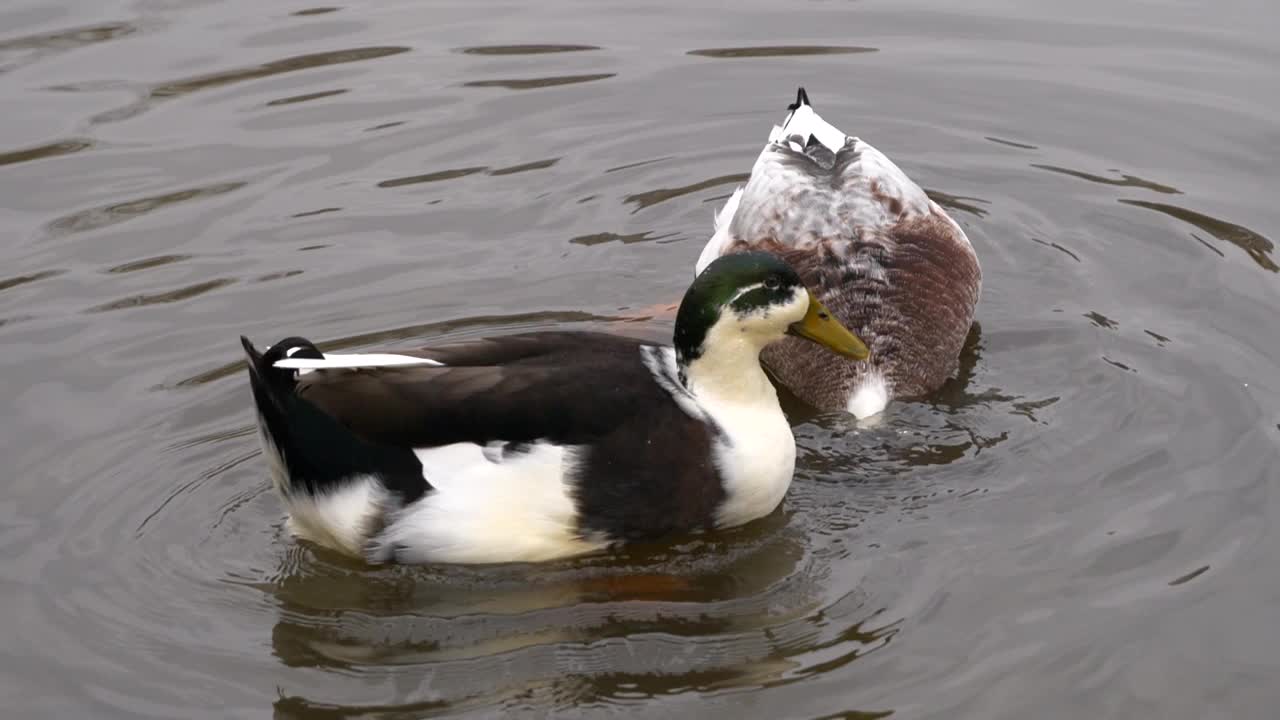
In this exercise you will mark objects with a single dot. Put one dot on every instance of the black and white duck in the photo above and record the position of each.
(544, 445)
(885, 258)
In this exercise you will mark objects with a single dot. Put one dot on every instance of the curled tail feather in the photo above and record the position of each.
(337, 485)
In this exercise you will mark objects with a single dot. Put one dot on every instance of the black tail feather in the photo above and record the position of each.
(262, 364)
(802, 98)
(319, 453)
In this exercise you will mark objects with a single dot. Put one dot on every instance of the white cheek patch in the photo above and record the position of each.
(788, 312)
(794, 311)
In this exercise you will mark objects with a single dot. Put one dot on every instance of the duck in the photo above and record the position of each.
(543, 445)
(887, 260)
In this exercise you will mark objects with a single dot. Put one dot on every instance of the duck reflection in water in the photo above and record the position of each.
(735, 609)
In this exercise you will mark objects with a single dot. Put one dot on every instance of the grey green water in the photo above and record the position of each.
(1085, 523)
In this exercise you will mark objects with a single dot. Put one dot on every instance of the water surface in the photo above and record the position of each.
(1081, 524)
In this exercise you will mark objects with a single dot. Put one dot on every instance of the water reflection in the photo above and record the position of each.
(1257, 247)
(63, 147)
(106, 215)
(277, 275)
(276, 67)
(961, 203)
(738, 609)
(1125, 180)
(958, 393)
(319, 211)
(1208, 246)
(24, 279)
(161, 298)
(524, 49)
(300, 708)
(525, 167)
(1102, 321)
(187, 86)
(463, 172)
(1057, 247)
(627, 239)
(538, 82)
(780, 51)
(44, 44)
(653, 197)
(1011, 143)
(431, 177)
(135, 497)
(1181, 580)
(306, 97)
(1118, 364)
(146, 264)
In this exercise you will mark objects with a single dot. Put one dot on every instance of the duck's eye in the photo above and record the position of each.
(772, 282)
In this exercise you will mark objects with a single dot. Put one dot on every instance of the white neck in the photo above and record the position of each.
(728, 371)
(756, 454)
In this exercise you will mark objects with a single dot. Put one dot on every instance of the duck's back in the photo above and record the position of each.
(887, 260)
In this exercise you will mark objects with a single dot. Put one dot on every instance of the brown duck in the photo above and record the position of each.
(887, 260)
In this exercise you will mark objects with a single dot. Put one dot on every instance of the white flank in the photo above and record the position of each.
(870, 397)
(481, 511)
(364, 360)
(339, 519)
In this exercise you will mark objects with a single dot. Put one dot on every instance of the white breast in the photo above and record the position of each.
(756, 458)
(754, 450)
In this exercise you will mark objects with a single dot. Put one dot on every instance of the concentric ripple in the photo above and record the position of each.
(1080, 524)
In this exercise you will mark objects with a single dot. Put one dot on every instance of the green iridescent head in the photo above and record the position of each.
(761, 296)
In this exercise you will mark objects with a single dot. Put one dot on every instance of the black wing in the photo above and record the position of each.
(566, 387)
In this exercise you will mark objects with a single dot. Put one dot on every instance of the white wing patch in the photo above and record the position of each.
(363, 360)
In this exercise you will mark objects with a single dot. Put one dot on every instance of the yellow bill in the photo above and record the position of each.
(820, 326)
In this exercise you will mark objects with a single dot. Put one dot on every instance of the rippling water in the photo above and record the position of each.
(1082, 524)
